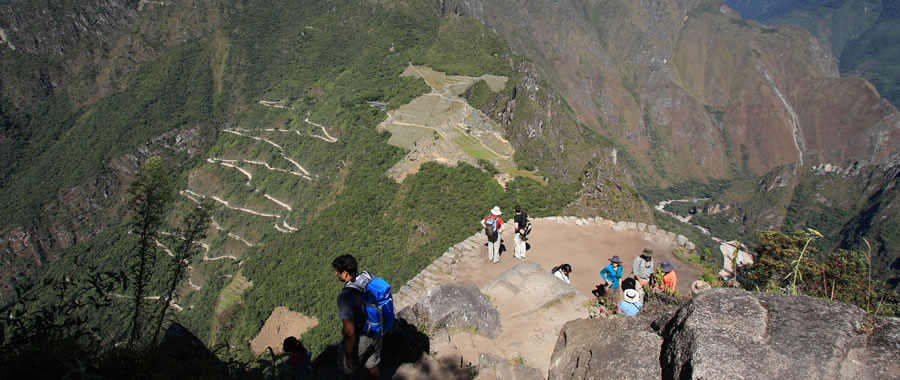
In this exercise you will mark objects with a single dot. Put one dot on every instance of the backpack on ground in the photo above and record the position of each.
(378, 305)
(490, 228)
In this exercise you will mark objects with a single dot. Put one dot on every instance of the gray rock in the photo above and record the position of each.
(652, 228)
(681, 240)
(503, 369)
(731, 334)
(530, 284)
(607, 348)
(454, 306)
(579, 222)
(690, 246)
(670, 236)
(641, 226)
(631, 226)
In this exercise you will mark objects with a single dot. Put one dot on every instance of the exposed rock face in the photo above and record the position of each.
(455, 306)
(666, 91)
(624, 350)
(530, 284)
(608, 192)
(733, 334)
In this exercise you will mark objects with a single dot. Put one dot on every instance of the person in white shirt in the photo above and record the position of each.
(562, 272)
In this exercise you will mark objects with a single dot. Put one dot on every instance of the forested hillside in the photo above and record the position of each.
(267, 114)
(266, 118)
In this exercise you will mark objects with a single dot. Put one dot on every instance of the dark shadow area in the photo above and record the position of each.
(405, 344)
(527, 246)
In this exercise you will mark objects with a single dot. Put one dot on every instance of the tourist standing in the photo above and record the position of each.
(642, 267)
(520, 220)
(355, 348)
(493, 228)
(612, 273)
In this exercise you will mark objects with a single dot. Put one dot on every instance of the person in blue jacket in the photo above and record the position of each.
(612, 273)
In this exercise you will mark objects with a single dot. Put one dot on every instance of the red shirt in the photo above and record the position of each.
(499, 220)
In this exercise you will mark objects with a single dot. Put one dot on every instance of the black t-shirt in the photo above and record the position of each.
(520, 219)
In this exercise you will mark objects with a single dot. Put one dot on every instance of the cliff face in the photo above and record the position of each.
(59, 58)
(693, 90)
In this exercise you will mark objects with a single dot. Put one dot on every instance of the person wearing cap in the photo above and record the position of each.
(612, 273)
(494, 241)
(670, 280)
(631, 304)
(642, 267)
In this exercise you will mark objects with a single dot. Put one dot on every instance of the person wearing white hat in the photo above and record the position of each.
(631, 304)
(493, 227)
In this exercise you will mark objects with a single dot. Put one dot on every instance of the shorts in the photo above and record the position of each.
(368, 352)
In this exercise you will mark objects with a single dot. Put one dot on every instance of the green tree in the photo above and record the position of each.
(151, 192)
(194, 227)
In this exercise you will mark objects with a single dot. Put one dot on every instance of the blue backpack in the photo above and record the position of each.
(378, 305)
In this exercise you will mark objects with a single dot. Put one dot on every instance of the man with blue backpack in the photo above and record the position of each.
(493, 227)
(366, 310)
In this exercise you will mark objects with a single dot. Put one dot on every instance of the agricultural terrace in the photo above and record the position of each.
(441, 126)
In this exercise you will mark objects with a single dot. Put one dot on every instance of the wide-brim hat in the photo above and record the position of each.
(666, 267)
(648, 252)
(496, 210)
(615, 259)
(631, 296)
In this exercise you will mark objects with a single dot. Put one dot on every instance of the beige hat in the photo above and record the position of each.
(631, 296)
(496, 210)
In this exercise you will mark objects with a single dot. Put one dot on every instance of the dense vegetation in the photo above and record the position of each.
(340, 55)
(789, 263)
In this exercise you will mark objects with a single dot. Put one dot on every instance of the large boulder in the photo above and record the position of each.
(733, 334)
(607, 348)
(528, 287)
(455, 306)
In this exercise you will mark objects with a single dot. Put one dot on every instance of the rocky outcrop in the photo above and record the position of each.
(608, 191)
(625, 350)
(731, 334)
(531, 285)
(458, 306)
(736, 334)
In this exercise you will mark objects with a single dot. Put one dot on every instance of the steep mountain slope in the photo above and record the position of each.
(694, 92)
(693, 89)
(861, 34)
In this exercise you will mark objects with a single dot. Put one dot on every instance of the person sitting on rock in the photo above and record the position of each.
(299, 359)
(562, 272)
(642, 267)
(631, 304)
(670, 280)
(612, 273)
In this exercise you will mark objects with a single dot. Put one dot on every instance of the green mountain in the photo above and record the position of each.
(292, 119)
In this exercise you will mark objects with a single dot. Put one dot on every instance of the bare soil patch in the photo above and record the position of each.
(281, 324)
